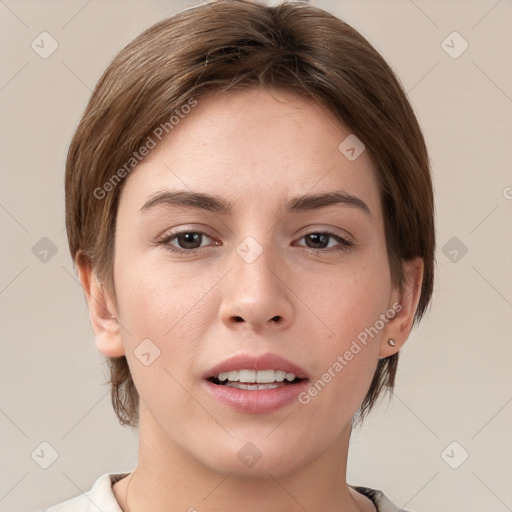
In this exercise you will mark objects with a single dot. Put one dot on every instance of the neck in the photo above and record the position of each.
(169, 479)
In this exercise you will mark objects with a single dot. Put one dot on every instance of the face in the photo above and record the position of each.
(260, 275)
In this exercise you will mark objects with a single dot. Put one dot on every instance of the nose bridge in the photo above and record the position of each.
(255, 292)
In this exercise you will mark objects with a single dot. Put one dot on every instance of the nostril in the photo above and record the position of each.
(276, 318)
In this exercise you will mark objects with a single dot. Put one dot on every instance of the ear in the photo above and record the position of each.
(404, 304)
(101, 309)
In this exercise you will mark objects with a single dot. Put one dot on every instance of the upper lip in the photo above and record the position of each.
(266, 361)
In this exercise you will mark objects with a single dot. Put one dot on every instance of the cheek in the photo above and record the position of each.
(174, 308)
(348, 309)
(165, 319)
(349, 299)
(164, 305)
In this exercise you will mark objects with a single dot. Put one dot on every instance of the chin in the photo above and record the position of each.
(256, 460)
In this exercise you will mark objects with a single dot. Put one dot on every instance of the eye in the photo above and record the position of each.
(184, 241)
(321, 240)
(189, 241)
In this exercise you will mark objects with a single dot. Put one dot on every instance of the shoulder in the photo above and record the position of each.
(380, 500)
(99, 497)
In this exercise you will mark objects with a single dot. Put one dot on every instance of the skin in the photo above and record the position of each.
(256, 148)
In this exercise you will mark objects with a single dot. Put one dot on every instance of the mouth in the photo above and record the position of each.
(256, 384)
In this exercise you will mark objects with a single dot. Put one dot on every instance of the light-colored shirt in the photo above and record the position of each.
(101, 497)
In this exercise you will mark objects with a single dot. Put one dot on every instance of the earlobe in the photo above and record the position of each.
(101, 310)
(399, 327)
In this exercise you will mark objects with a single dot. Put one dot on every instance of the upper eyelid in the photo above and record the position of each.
(312, 228)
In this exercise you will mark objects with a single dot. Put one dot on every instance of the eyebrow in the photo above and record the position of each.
(217, 204)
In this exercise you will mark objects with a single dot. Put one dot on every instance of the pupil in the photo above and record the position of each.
(188, 239)
(319, 238)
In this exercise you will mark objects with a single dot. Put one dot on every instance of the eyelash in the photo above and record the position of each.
(344, 243)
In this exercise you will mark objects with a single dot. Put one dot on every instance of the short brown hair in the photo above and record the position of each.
(230, 44)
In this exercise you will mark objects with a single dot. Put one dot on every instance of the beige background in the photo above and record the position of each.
(454, 381)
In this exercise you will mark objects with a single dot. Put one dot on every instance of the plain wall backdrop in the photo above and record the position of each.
(453, 397)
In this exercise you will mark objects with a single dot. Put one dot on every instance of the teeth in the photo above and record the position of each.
(253, 387)
(253, 376)
(280, 375)
(246, 376)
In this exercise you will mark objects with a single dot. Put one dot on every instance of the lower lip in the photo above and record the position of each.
(257, 401)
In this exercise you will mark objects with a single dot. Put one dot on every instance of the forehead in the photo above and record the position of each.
(255, 144)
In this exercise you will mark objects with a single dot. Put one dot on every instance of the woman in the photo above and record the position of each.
(250, 210)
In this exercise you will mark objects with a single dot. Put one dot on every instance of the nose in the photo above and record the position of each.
(256, 294)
